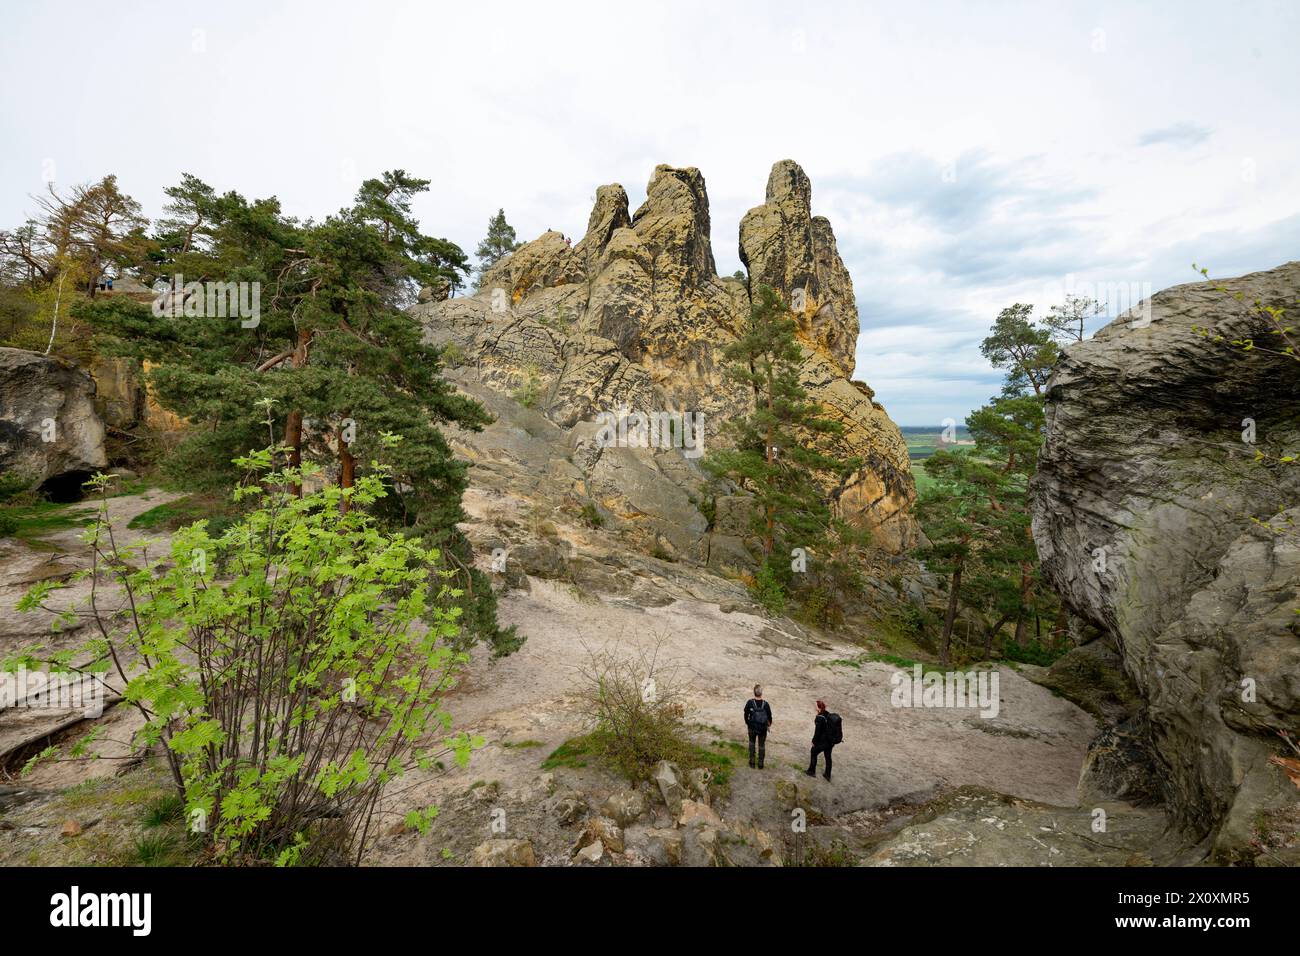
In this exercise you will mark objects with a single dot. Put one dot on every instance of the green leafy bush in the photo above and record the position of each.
(1033, 652)
(768, 590)
(453, 355)
(287, 696)
(12, 485)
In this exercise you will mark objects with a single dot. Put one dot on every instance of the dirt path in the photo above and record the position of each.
(56, 556)
(526, 705)
(1032, 749)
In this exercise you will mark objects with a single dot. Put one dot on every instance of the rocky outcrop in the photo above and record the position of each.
(1161, 521)
(633, 318)
(972, 826)
(50, 432)
(785, 246)
(124, 399)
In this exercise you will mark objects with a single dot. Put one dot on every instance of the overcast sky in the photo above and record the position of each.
(968, 155)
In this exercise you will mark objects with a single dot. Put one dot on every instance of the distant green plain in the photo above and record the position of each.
(922, 442)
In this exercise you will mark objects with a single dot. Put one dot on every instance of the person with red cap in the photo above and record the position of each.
(822, 742)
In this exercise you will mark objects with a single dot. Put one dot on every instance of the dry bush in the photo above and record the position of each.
(636, 709)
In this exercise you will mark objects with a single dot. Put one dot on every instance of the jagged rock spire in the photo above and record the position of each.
(788, 248)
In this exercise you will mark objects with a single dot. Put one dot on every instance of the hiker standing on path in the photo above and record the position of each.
(758, 718)
(826, 730)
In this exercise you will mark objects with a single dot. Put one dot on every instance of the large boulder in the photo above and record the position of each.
(667, 777)
(1160, 521)
(634, 319)
(50, 432)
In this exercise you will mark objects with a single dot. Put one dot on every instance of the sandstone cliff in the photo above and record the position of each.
(634, 318)
(1156, 521)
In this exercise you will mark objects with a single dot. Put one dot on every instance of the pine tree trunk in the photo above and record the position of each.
(293, 424)
(347, 469)
(1022, 622)
(1061, 628)
(991, 633)
(293, 438)
(769, 541)
(954, 587)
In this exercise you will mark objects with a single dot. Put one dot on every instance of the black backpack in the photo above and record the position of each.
(834, 729)
(758, 717)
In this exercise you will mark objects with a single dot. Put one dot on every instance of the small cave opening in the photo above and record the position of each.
(65, 488)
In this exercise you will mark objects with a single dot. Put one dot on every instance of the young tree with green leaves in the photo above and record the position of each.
(279, 665)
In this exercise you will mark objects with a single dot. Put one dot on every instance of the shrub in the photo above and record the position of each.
(1032, 653)
(768, 590)
(286, 697)
(13, 485)
(818, 607)
(909, 619)
(528, 393)
(453, 355)
(637, 714)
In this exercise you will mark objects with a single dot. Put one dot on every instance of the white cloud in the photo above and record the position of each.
(532, 106)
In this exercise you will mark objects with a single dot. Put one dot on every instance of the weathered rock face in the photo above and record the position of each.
(784, 246)
(123, 399)
(634, 318)
(1155, 520)
(972, 826)
(49, 429)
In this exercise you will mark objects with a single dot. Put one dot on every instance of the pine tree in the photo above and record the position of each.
(500, 241)
(1068, 322)
(332, 354)
(977, 517)
(773, 454)
(1026, 351)
(961, 525)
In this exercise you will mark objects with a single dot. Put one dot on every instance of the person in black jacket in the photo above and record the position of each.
(758, 718)
(821, 742)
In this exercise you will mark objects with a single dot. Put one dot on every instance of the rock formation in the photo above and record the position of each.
(1157, 522)
(634, 318)
(50, 433)
(783, 245)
